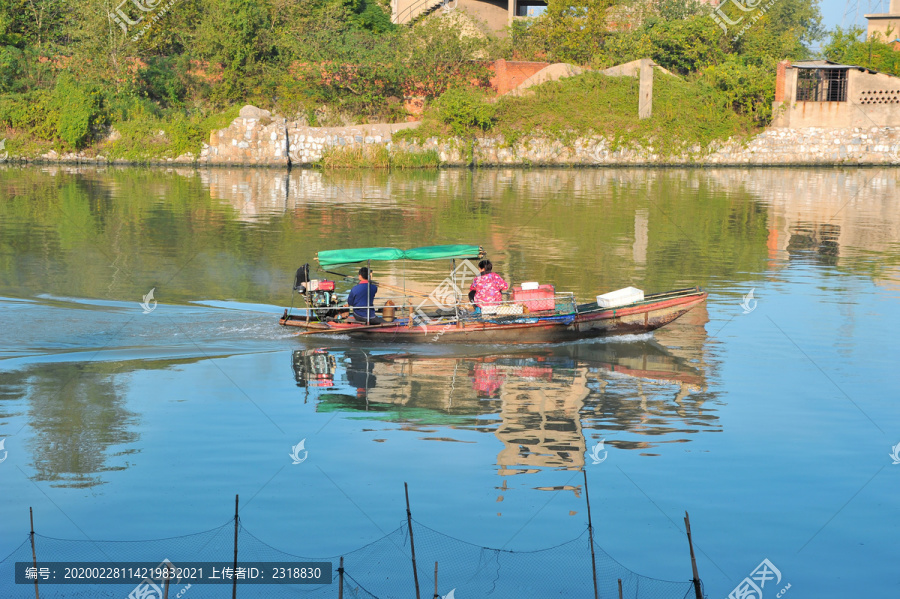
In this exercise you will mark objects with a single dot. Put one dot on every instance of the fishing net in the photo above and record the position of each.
(382, 569)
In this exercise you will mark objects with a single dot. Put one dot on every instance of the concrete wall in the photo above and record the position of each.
(493, 13)
(873, 99)
(887, 27)
(509, 74)
(886, 24)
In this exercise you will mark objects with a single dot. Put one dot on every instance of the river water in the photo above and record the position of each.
(770, 418)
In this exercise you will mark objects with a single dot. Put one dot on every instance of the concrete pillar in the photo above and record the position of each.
(790, 85)
(512, 11)
(645, 94)
(853, 85)
(779, 81)
(895, 8)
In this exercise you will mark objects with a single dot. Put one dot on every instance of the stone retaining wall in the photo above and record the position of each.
(256, 138)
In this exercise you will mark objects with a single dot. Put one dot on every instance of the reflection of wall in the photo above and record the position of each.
(255, 193)
(541, 424)
(644, 390)
(834, 214)
(625, 226)
(860, 208)
(540, 414)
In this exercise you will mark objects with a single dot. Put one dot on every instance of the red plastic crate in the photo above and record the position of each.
(536, 300)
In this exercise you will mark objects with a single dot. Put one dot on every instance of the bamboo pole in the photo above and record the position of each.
(436, 596)
(412, 545)
(590, 533)
(341, 579)
(620, 588)
(402, 290)
(234, 571)
(166, 584)
(687, 526)
(37, 595)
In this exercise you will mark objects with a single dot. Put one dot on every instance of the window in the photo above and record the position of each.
(822, 85)
(530, 8)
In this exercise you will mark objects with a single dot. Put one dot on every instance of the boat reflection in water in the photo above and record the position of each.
(546, 405)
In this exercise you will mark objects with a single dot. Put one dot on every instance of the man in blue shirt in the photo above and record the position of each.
(363, 295)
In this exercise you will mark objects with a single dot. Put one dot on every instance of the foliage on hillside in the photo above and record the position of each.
(846, 47)
(684, 114)
(70, 75)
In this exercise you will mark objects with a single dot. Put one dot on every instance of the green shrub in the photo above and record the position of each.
(465, 109)
(79, 111)
(11, 69)
(31, 112)
(149, 136)
(746, 89)
(846, 47)
(160, 81)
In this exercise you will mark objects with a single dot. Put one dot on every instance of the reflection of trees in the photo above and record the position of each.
(77, 415)
(242, 232)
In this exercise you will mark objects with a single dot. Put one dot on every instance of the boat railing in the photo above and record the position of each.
(560, 304)
(459, 308)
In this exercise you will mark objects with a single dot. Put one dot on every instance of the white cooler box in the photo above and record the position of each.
(622, 297)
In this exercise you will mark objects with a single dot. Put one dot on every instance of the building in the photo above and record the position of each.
(820, 93)
(496, 14)
(887, 26)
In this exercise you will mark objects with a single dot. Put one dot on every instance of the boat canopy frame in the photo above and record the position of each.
(565, 306)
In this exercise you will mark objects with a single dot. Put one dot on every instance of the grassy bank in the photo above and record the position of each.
(684, 114)
(377, 156)
(72, 80)
(140, 137)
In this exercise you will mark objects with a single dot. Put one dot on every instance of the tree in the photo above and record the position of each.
(846, 47)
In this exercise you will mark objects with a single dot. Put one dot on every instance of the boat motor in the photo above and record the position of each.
(318, 293)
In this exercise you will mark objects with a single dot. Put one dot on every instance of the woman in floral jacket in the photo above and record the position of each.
(487, 288)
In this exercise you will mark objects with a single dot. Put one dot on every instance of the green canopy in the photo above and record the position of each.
(435, 252)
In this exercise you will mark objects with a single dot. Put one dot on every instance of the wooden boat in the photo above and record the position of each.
(454, 325)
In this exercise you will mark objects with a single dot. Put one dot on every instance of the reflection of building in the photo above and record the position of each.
(542, 399)
(834, 216)
(541, 423)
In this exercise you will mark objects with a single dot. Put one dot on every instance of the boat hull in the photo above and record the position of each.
(591, 321)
